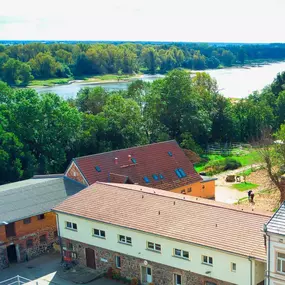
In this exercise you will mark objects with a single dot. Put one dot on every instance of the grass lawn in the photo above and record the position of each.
(244, 186)
(213, 161)
(50, 82)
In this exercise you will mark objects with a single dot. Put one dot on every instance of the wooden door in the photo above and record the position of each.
(90, 258)
(10, 230)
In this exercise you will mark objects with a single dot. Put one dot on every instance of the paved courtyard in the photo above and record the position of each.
(43, 271)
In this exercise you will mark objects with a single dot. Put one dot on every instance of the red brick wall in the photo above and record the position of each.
(74, 173)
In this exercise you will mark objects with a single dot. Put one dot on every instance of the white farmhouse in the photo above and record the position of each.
(275, 231)
(162, 237)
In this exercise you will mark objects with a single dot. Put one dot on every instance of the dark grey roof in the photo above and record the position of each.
(277, 223)
(31, 197)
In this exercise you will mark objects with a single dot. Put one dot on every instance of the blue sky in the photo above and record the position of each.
(144, 20)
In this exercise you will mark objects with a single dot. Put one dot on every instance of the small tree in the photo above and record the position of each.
(272, 152)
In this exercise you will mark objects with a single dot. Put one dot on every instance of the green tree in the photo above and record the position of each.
(227, 58)
(241, 55)
(150, 58)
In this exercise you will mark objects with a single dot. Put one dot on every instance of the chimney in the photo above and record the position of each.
(116, 160)
(130, 158)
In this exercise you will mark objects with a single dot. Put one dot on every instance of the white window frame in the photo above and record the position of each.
(208, 260)
(175, 279)
(116, 261)
(72, 227)
(281, 259)
(102, 233)
(126, 240)
(181, 255)
(156, 246)
(233, 264)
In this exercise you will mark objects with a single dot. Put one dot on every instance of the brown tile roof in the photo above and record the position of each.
(116, 178)
(181, 217)
(149, 160)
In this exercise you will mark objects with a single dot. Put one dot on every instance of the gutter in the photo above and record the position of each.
(250, 260)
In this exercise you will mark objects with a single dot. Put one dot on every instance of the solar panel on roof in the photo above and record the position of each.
(178, 173)
(183, 174)
(155, 177)
(134, 160)
(98, 169)
(170, 153)
(161, 176)
(146, 179)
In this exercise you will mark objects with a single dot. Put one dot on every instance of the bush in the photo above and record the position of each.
(134, 281)
(116, 274)
(231, 164)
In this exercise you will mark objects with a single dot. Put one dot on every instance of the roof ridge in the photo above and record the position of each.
(200, 201)
(140, 146)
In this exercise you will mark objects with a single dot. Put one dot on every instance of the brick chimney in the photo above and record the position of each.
(130, 158)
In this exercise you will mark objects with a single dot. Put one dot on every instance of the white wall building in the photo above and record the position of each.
(162, 237)
(275, 231)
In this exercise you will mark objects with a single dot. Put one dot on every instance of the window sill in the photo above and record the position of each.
(70, 229)
(280, 273)
(207, 264)
(153, 250)
(129, 244)
(99, 237)
(180, 257)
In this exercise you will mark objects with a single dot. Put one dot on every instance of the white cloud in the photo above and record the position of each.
(156, 20)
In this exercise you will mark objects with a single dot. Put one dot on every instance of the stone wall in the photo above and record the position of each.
(131, 266)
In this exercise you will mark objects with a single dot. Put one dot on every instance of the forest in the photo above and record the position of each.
(41, 133)
(21, 63)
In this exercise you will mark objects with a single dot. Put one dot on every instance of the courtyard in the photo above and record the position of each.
(43, 271)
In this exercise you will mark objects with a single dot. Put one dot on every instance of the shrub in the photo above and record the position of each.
(116, 274)
(134, 281)
(231, 164)
(110, 272)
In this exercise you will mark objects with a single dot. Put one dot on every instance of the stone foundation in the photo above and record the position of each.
(131, 266)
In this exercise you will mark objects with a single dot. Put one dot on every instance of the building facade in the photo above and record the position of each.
(162, 165)
(27, 225)
(275, 239)
(141, 240)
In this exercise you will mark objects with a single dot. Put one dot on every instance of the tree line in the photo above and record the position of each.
(21, 63)
(41, 133)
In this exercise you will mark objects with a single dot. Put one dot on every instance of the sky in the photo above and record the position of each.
(243, 21)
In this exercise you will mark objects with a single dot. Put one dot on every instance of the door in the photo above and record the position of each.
(11, 253)
(10, 230)
(90, 258)
(146, 275)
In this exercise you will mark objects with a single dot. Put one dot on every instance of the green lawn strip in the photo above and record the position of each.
(244, 186)
(50, 82)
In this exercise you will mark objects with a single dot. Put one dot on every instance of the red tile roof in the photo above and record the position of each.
(149, 160)
(185, 218)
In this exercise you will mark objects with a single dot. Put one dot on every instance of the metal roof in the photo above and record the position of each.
(32, 197)
(277, 223)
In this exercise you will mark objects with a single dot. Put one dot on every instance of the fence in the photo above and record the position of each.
(17, 280)
(227, 148)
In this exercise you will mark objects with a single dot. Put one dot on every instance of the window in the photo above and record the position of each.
(125, 239)
(170, 153)
(189, 189)
(134, 160)
(43, 238)
(146, 179)
(210, 283)
(181, 253)
(41, 216)
(29, 243)
(183, 174)
(207, 260)
(98, 169)
(71, 226)
(155, 177)
(73, 255)
(233, 267)
(154, 246)
(281, 262)
(183, 191)
(118, 261)
(27, 221)
(70, 246)
(99, 233)
(161, 176)
(177, 279)
(178, 173)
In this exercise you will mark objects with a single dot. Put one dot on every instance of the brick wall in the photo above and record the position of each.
(74, 173)
(41, 233)
(131, 266)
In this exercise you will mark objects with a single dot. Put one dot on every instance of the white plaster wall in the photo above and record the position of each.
(221, 268)
(277, 244)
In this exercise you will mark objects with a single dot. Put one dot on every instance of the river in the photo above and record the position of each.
(232, 82)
